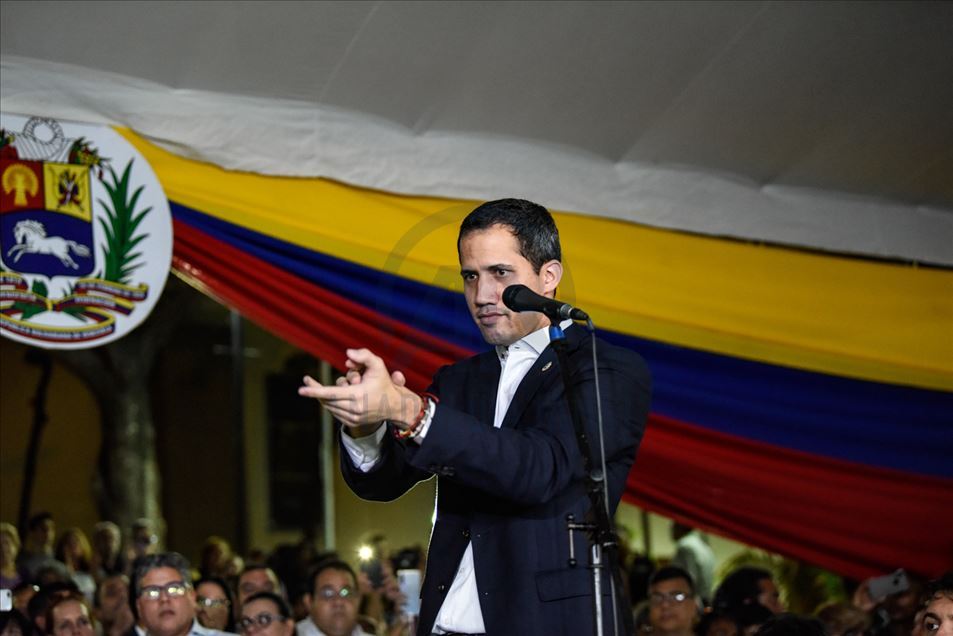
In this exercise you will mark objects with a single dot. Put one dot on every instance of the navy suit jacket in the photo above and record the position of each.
(508, 490)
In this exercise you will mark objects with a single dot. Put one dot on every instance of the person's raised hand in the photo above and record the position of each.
(366, 395)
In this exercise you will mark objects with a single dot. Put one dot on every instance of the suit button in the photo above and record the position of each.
(441, 588)
(466, 533)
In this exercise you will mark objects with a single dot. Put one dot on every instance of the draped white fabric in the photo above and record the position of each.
(686, 117)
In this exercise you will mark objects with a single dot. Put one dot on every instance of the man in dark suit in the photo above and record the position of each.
(496, 430)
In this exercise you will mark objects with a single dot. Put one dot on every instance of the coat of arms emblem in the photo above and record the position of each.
(85, 234)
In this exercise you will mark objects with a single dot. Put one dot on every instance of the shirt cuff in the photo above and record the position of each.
(425, 423)
(364, 451)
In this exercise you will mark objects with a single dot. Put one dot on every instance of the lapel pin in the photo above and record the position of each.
(546, 367)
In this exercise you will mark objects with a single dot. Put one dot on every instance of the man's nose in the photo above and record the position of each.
(488, 291)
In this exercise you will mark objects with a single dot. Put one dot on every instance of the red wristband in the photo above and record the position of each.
(412, 430)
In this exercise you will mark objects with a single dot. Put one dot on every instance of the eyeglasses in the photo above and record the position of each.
(210, 602)
(175, 589)
(347, 593)
(262, 620)
(657, 598)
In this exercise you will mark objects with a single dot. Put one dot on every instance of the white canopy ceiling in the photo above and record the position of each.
(826, 125)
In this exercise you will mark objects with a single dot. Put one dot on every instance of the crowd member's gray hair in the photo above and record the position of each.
(144, 564)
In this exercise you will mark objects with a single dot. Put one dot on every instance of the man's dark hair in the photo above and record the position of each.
(942, 586)
(38, 603)
(707, 620)
(283, 608)
(753, 613)
(791, 625)
(37, 520)
(144, 564)
(531, 224)
(739, 588)
(329, 564)
(670, 572)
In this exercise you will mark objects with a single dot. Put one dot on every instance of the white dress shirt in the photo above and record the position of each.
(460, 611)
(307, 627)
(200, 630)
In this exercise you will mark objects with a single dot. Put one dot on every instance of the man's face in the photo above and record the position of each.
(144, 542)
(113, 595)
(107, 541)
(490, 261)
(769, 596)
(44, 533)
(722, 627)
(334, 614)
(667, 614)
(167, 615)
(938, 617)
(255, 581)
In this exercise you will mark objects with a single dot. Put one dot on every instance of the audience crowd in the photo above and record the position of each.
(69, 585)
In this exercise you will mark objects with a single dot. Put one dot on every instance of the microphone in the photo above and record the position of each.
(522, 298)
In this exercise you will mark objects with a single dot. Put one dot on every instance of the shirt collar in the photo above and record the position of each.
(536, 342)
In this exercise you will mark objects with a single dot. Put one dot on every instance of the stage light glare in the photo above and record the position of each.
(365, 552)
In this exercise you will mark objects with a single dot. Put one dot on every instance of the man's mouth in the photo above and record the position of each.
(489, 317)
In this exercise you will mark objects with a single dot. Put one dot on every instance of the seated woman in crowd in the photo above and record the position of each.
(213, 602)
(266, 614)
(74, 551)
(69, 616)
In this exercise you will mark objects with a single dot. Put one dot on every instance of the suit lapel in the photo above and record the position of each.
(487, 381)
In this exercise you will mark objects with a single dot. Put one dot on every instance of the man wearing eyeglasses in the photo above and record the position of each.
(673, 609)
(258, 578)
(332, 602)
(165, 600)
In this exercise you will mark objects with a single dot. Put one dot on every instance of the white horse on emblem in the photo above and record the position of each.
(32, 239)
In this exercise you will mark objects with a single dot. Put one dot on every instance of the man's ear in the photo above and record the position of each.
(551, 273)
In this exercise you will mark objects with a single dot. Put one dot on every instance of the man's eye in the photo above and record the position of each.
(502, 272)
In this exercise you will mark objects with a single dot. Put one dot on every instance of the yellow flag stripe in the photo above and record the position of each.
(869, 320)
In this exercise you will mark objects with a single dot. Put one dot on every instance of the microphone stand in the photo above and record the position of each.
(600, 529)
